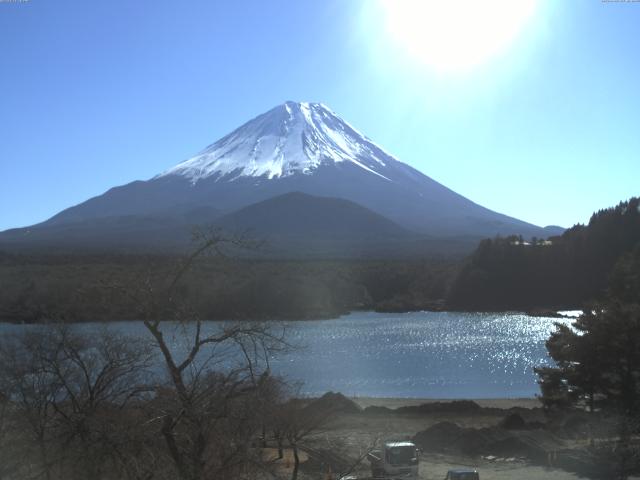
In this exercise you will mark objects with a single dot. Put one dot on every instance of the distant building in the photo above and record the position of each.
(544, 243)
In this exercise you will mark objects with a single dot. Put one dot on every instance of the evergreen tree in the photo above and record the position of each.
(598, 356)
(571, 270)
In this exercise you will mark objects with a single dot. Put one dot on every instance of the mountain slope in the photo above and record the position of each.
(295, 147)
(298, 225)
(305, 216)
(137, 233)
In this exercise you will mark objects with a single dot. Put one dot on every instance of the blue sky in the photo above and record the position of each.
(97, 94)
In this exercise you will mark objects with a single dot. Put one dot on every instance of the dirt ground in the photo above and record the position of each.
(352, 434)
(435, 468)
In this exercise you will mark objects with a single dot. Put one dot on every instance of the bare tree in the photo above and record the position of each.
(299, 427)
(295, 422)
(32, 392)
(65, 387)
(100, 405)
(217, 381)
(11, 447)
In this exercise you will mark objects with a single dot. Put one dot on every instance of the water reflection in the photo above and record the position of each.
(419, 354)
(424, 354)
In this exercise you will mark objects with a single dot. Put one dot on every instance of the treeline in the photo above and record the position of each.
(565, 271)
(181, 401)
(502, 274)
(37, 288)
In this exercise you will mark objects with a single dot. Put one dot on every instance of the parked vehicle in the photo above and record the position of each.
(462, 474)
(395, 460)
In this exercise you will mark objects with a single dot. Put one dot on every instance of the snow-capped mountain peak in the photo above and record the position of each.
(292, 138)
(295, 148)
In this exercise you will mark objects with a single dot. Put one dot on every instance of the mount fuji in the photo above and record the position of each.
(294, 147)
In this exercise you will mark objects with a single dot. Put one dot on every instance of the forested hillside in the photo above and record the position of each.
(566, 271)
(81, 288)
(502, 274)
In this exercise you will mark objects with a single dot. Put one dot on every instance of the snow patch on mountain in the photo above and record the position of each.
(293, 138)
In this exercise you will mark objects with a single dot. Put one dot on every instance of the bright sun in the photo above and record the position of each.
(451, 35)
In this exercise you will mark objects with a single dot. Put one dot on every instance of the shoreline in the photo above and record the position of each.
(395, 402)
(554, 314)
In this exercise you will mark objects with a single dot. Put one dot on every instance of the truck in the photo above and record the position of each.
(396, 459)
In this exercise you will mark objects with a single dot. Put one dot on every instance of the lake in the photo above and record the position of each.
(417, 354)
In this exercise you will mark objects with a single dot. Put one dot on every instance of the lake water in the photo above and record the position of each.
(418, 354)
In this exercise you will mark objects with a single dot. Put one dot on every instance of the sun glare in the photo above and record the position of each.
(451, 35)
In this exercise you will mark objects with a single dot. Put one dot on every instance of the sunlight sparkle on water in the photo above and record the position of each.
(419, 354)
